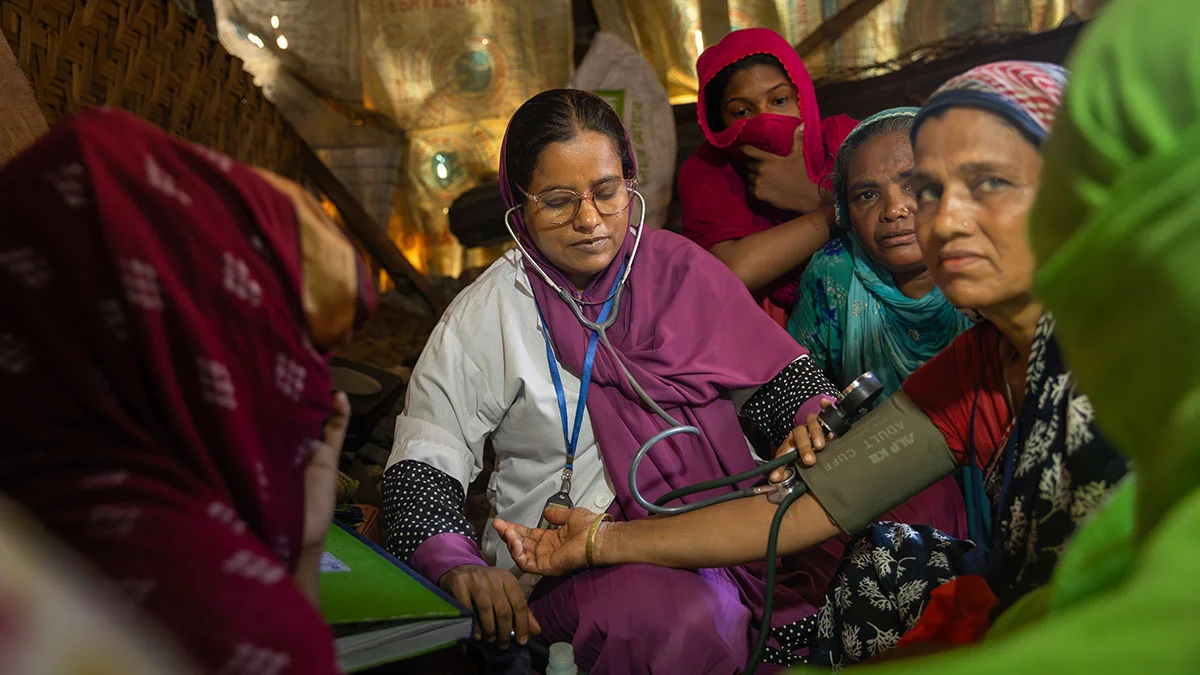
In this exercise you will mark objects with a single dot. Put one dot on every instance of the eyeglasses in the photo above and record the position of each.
(560, 206)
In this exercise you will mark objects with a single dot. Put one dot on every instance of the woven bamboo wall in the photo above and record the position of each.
(21, 121)
(148, 57)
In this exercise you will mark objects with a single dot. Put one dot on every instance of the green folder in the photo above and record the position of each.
(379, 608)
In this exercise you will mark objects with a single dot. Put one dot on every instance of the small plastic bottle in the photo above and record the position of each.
(562, 659)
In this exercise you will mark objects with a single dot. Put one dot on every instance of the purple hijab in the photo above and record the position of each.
(689, 332)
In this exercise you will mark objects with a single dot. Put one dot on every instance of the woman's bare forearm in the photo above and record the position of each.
(307, 574)
(732, 533)
(760, 258)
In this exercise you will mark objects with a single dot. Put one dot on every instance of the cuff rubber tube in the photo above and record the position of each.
(888, 456)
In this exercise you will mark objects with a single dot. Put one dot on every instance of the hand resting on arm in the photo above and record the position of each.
(759, 259)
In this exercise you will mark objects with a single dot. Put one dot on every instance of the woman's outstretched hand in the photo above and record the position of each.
(554, 552)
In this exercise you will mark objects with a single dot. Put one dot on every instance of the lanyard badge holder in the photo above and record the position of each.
(562, 498)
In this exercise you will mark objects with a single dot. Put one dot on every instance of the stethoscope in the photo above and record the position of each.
(783, 494)
(774, 491)
(566, 296)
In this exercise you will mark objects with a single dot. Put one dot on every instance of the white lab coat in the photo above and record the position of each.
(484, 372)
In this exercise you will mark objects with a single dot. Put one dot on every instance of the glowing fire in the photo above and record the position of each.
(415, 247)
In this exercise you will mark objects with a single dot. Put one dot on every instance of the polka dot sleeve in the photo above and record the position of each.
(773, 407)
(420, 502)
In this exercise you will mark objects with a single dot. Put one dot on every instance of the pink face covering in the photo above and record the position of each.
(712, 184)
(818, 153)
(767, 131)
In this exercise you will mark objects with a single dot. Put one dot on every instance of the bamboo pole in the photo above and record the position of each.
(835, 26)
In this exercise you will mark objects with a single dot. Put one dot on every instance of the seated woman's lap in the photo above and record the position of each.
(881, 587)
(809, 573)
(644, 618)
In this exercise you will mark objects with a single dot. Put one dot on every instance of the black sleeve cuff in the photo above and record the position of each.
(772, 408)
(419, 502)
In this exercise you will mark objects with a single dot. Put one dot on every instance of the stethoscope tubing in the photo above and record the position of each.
(675, 427)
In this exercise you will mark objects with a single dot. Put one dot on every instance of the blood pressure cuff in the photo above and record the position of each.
(888, 456)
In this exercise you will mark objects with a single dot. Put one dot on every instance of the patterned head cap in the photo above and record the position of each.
(1027, 94)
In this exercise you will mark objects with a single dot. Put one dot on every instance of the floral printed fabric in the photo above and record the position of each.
(1062, 469)
(879, 592)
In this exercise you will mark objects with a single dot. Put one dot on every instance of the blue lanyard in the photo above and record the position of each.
(572, 437)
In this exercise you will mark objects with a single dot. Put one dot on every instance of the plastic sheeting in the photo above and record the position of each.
(436, 63)
(316, 40)
(450, 73)
(447, 72)
(670, 35)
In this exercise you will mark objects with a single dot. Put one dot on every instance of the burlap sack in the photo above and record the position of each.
(616, 71)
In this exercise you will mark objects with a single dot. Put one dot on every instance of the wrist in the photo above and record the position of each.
(810, 199)
(308, 551)
(830, 217)
(441, 553)
(458, 569)
(307, 574)
(607, 544)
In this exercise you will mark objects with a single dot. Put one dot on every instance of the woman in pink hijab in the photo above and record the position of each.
(756, 194)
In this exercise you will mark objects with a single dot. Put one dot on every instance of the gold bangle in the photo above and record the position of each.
(589, 550)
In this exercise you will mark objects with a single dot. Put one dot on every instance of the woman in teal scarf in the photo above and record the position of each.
(867, 301)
